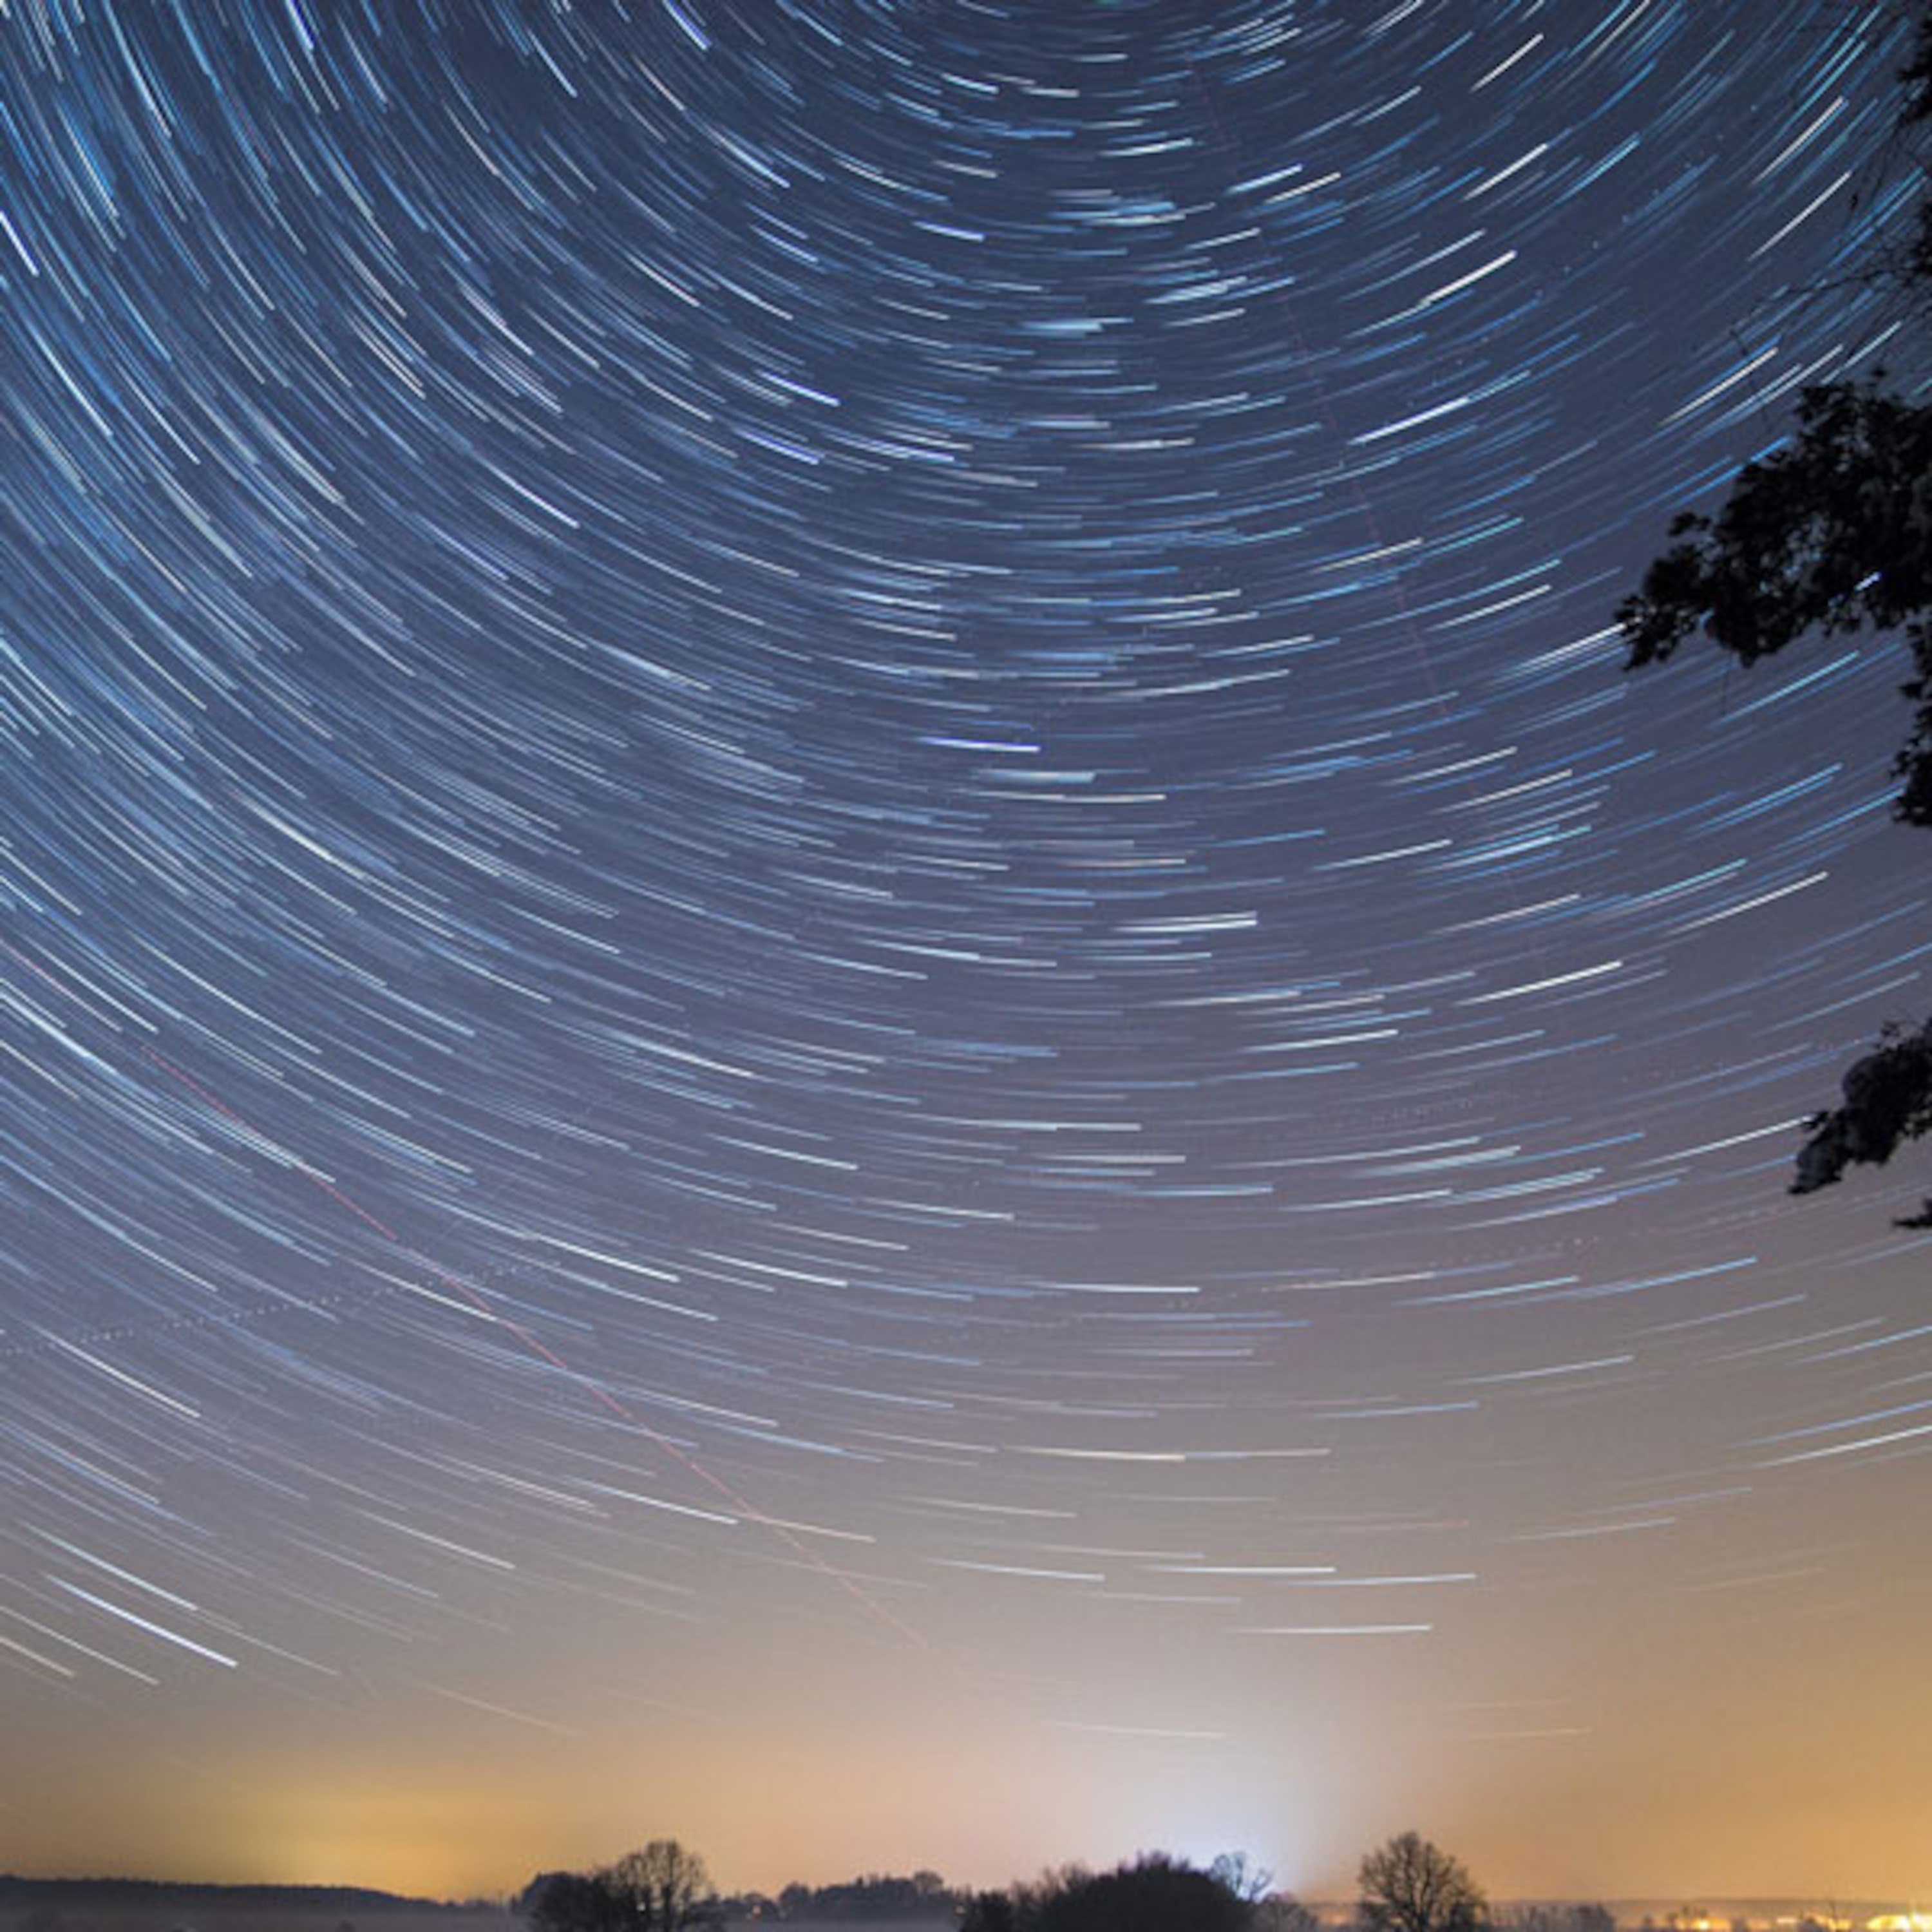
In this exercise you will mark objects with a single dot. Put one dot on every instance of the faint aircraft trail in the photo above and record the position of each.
(538, 1347)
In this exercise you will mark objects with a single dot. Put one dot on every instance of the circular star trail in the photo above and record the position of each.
(820, 843)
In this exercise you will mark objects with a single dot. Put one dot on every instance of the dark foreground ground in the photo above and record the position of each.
(81, 1915)
(82, 1905)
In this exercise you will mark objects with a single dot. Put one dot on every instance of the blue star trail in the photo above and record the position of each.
(819, 829)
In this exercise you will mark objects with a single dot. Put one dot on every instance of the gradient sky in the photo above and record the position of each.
(846, 1007)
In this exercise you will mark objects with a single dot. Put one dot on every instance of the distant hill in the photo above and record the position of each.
(16, 1893)
(145, 1905)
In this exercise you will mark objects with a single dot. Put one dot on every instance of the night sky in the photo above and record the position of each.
(846, 1006)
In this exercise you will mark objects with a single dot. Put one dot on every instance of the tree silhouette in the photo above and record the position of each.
(990, 1912)
(1832, 534)
(1154, 1893)
(1408, 1885)
(661, 1887)
(1282, 1912)
(1239, 1874)
(566, 1901)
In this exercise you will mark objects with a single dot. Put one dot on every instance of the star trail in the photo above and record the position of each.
(846, 1004)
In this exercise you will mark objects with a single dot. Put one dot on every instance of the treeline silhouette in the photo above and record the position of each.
(1405, 1884)
(877, 1895)
(1154, 1893)
(632, 1895)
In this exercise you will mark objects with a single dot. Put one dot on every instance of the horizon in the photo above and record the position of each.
(1851, 1908)
(1669, 1910)
(849, 1007)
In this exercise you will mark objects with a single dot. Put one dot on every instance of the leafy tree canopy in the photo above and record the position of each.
(1831, 533)
(1155, 1893)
